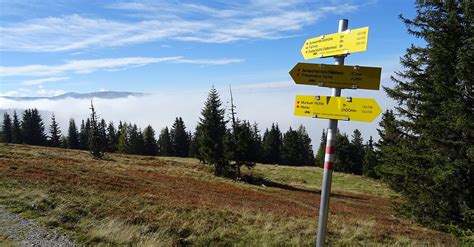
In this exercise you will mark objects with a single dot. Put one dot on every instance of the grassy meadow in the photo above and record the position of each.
(168, 201)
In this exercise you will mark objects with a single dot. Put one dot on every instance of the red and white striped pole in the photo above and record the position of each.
(329, 158)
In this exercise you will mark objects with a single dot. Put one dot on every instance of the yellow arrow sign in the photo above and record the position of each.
(340, 108)
(335, 44)
(339, 76)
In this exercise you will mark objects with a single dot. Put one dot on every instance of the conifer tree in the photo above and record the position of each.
(95, 143)
(84, 134)
(136, 139)
(63, 143)
(103, 141)
(164, 143)
(123, 145)
(391, 166)
(240, 146)
(32, 128)
(212, 131)
(433, 161)
(194, 146)
(72, 135)
(357, 152)
(7, 128)
(306, 155)
(342, 156)
(16, 129)
(150, 145)
(296, 149)
(189, 135)
(321, 150)
(242, 142)
(256, 146)
(370, 160)
(289, 149)
(272, 143)
(111, 137)
(179, 138)
(54, 132)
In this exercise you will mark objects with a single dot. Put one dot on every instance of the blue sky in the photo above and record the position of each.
(179, 48)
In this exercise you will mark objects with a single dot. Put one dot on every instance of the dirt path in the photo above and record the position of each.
(26, 232)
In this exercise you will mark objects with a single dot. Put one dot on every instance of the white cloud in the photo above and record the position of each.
(155, 21)
(340, 9)
(264, 86)
(209, 61)
(43, 80)
(80, 66)
(20, 92)
(264, 103)
(92, 65)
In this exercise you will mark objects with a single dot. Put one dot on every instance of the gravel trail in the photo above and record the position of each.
(27, 232)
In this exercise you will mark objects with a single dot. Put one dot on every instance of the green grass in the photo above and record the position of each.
(167, 201)
(311, 178)
(7, 242)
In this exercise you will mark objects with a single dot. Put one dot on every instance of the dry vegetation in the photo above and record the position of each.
(170, 201)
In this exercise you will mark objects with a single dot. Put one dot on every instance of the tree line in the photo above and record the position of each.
(242, 143)
(351, 156)
(212, 142)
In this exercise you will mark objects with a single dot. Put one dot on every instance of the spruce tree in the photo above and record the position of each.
(150, 145)
(164, 143)
(390, 147)
(212, 131)
(256, 146)
(123, 142)
(241, 146)
(111, 137)
(136, 139)
(103, 141)
(321, 150)
(370, 160)
(63, 143)
(84, 134)
(54, 132)
(16, 129)
(272, 143)
(357, 152)
(306, 155)
(289, 149)
(72, 135)
(433, 160)
(296, 149)
(179, 138)
(7, 128)
(342, 156)
(96, 147)
(194, 146)
(32, 128)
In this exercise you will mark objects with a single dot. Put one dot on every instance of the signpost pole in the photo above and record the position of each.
(329, 158)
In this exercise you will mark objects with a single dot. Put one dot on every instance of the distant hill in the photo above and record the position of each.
(100, 95)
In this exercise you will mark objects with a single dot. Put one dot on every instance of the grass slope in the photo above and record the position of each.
(167, 201)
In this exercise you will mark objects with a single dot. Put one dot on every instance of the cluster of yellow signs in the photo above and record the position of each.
(338, 76)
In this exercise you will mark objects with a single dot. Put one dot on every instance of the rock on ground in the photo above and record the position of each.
(28, 233)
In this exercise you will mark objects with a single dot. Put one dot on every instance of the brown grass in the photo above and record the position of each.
(152, 201)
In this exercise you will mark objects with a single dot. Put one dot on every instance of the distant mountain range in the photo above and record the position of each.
(100, 95)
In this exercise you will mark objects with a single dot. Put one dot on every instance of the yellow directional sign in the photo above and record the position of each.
(335, 44)
(340, 108)
(339, 76)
